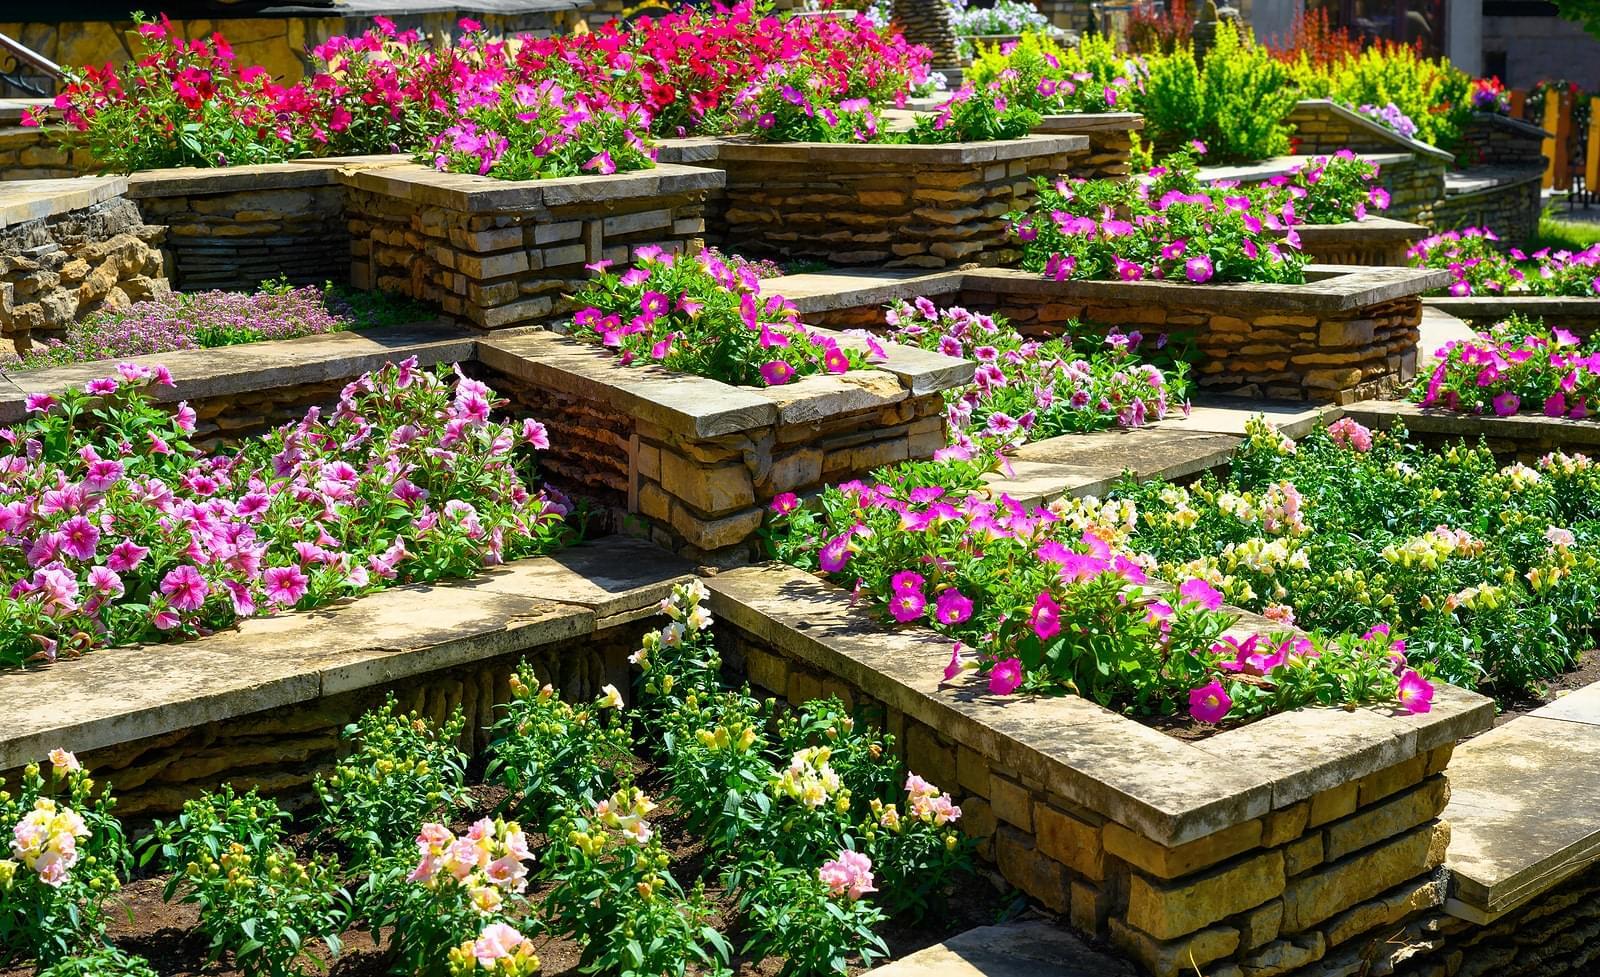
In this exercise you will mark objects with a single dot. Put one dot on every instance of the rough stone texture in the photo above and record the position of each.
(239, 238)
(1374, 241)
(695, 462)
(1521, 437)
(29, 153)
(61, 266)
(892, 206)
(1027, 948)
(1110, 141)
(507, 253)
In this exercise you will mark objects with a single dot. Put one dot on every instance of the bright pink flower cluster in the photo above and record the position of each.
(1479, 267)
(1514, 365)
(115, 529)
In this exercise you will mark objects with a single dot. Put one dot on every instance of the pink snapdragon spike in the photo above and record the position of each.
(1005, 677)
(1349, 433)
(1210, 703)
(848, 875)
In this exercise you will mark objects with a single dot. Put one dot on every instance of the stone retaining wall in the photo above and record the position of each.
(1520, 437)
(695, 463)
(28, 153)
(502, 253)
(1506, 200)
(897, 206)
(233, 229)
(1501, 140)
(1254, 349)
(281, 751)
(1308, 882)
(67, 249)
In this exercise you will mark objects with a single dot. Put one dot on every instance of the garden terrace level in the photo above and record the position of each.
(263, 704)
(1346, 334)
(1260, 846)
(1525, 437)
(1110, 136)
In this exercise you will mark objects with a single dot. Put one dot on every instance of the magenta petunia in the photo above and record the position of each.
(1045, 618)
(777, 373)
(1005, 677)
(906, 606)
(1415, 692)
(1200, 593)
(184, 588)
(1210, 703)
(952, 607)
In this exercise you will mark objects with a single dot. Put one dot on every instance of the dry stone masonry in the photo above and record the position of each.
(695, 463)
(890, 205)
(503, 253)
(69, 248)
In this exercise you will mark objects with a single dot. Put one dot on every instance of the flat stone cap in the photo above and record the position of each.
(22, 201)
(1028, 948)
(481, 194)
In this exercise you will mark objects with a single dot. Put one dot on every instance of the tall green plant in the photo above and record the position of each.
(1236, 102)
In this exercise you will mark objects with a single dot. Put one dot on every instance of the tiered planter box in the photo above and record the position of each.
(1579, 316)
(697, 461)
(1285, 846)
(1413, 173)
(504, 253)
(1349, 335)
(900, 206)
(1376, 241)
(69, 248)
(1523, 437)
(262, 706)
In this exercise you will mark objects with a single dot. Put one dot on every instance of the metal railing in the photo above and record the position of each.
(16, 58)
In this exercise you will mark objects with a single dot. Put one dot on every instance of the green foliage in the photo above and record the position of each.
(402, 772)
(1433, 93)
(102, 961)
(65, 857)
(210, 825)
(263, 908)
(1583, 12)
(555, 756)
(1038, 72)
(1236, 103)
(790, 914)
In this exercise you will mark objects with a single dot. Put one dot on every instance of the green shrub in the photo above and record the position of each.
(1235, 103)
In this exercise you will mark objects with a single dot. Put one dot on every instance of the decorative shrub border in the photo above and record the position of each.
(1267, 845)
(698, 461)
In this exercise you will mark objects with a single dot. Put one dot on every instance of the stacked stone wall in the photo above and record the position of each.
(237, 240)
(57, 269)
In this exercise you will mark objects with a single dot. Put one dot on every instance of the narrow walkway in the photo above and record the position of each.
(1030, 948)
(1524, 807)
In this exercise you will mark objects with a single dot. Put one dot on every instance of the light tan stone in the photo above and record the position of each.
(711, 490)
(1284, 956)
(1012, 802)
(1068, 840)
(1303, 854)
(1025, 867)
(1312, 898)
(1172, 863)
(1394, 815)
(1260, 926)
(1376, 786)
(1170, 911)
(1283, 826)
(1171, 958)
(1332, 804)
(1388, 909)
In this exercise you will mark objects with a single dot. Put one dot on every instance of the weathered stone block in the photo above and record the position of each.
(1172, 863)
(1068, 840)
(1171, 958)
(1391, 817)
(709, 489)
(1312, 898)
(1025, 867)
(1167, 911)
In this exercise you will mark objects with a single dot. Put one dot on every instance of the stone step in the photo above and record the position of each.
(1028, 948)
(1525, 807)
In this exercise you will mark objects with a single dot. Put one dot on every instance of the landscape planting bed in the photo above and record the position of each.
(1375, 241)
(1579, 316)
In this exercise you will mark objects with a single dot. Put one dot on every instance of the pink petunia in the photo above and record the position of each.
(1210, 703)
(185, 588)
(1005, 677)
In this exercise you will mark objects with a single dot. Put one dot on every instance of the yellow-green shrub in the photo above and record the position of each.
(1236, 103)
(1433, 93)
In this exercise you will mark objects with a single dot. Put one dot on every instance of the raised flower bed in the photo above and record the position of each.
(1346, 334)
(697, 460)
(1372, 241)
(504, 252)
(1272, 845)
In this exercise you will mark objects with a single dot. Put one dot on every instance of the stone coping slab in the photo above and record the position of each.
(709, 408)
(249, 367)
(1383, 414)
(22, 201)
(481, 194)
(1266, 169)
(943, 154)
(1091, 463)
(1524, 807)
(1489, 309)
(116, 695)
(1328, 288)
(1490, 178)
(1331, 288)
(1080, 122)
(318, 171)
(1374, 229)
(1027, 948)
(1170, 790)
(1372, 126)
